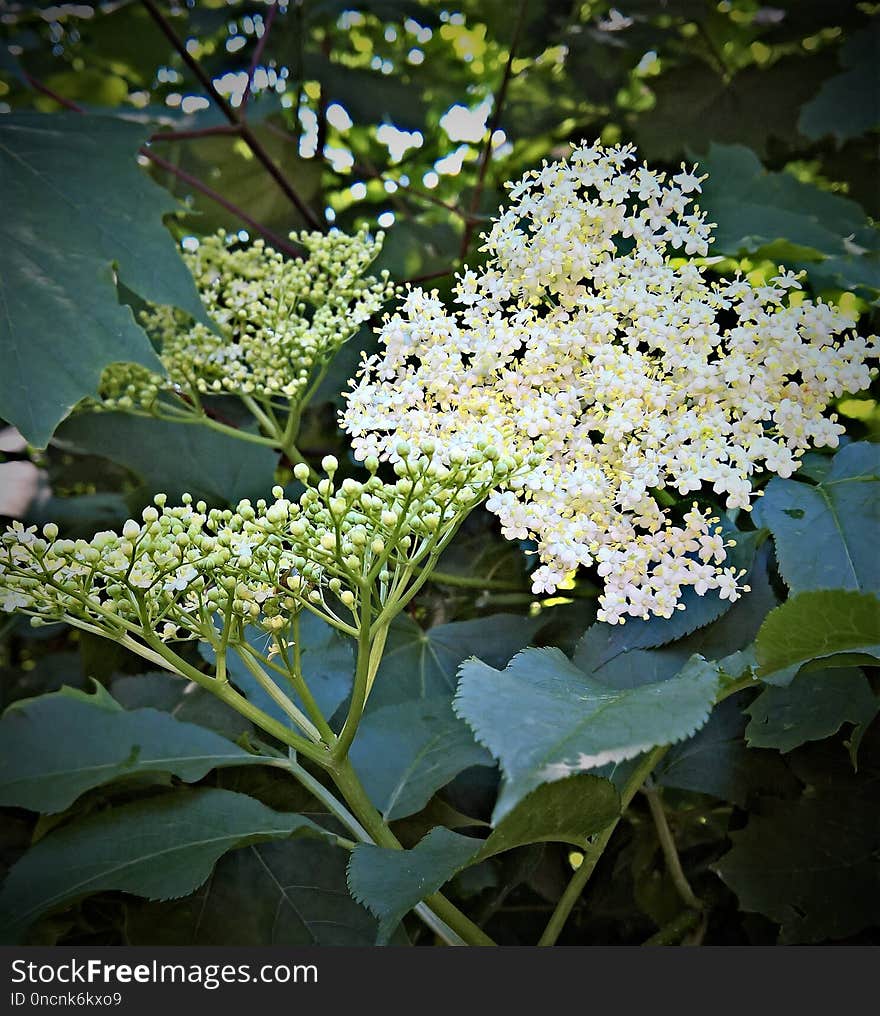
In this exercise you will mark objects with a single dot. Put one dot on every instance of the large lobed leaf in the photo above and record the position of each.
(81, 205)
(545, 719)
(811, 865)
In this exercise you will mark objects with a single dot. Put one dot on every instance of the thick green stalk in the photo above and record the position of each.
(673, 932)
(352, 790)
(277, 695)
(361, 677)
(670, 851)
(340, 812)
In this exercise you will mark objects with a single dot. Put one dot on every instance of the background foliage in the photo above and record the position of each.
(410, 116)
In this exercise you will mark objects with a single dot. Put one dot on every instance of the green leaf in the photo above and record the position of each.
(812, 866)
(161, 848)
(419, 664)
(566, 811)
(717, 761)
(755, 209)
(54, 748)
(815, 705)
(840, 514)
(404, 753)
(817, 625)
(545, 719)
(185, 700)
(327, 664)
(848, 104)
(389, 883)
(757, 106)
(81, 205)
(392, 882)
(644, 652)
(291, 893)
(174, 457)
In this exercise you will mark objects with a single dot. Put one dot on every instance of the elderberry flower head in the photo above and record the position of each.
(348, 552)
(278, 322)
(592, 331)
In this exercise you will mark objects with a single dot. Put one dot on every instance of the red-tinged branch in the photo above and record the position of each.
(278, 242)
(258, 56)
(221, 130)
(244, 130)
(38, 86)
(190, 61)
(493, 125)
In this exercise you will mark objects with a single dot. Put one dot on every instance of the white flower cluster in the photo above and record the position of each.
(278, 322)
(592, 331)
(185, 572)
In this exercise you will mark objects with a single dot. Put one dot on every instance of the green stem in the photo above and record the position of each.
(294, 673)
(343, 815)
(356, 797)
(596, 847)
(670, 852)
(226, 693)
(236, 432)
(277, 695)
(671, 933)
(261, 416)
(361, 678)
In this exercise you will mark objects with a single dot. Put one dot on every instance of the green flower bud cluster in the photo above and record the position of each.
(279, 322)
(352, 552)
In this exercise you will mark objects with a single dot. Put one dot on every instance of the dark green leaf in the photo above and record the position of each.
(657, 649)
(758, 107)
(755, 209)
(404, 753)
(421, 664)
(161, 848)
(717, 761)
(815, 705)
(392, 882)
(190, 458)
(848, 104)
(185, 700)
(81, 205)
(812, 866)
(283, 894)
